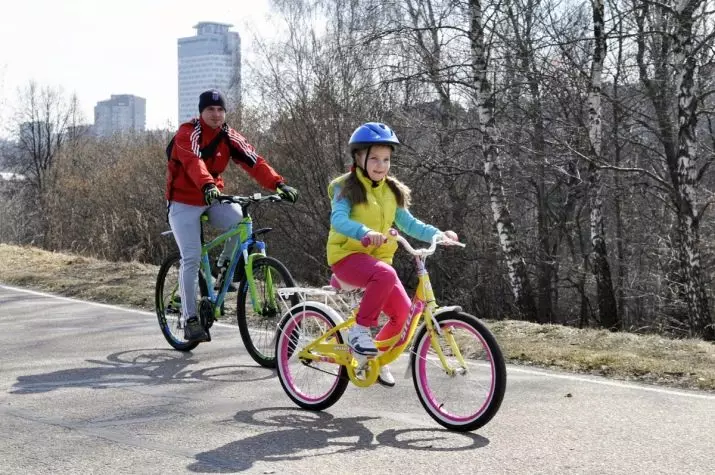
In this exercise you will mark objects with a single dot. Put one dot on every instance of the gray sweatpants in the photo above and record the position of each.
(185, 223)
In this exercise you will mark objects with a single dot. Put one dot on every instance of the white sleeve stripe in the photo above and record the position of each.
(244, 146)
(195, 139)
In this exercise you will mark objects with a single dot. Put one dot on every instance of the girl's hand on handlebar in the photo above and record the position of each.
(373, 238)
(451, 235)
(449, 238)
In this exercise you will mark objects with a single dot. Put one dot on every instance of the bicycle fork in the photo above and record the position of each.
(268, 278)
(435, 331)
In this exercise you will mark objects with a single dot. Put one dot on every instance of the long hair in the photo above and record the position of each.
(354, 190)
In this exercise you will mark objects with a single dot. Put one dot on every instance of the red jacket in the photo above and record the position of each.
(188, 172)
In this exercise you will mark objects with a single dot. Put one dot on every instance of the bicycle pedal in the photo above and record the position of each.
(362, 360)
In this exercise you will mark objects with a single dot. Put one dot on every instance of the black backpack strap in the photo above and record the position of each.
(210, 149)
(170, 147)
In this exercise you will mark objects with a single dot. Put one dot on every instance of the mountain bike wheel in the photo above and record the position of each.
(168, 302)
(311, 384)
(468, 398)
(258, 328)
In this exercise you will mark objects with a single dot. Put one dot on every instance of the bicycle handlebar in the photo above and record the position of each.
(438, 238)
(245, 200)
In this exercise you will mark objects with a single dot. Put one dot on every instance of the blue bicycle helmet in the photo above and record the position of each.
(372, 133)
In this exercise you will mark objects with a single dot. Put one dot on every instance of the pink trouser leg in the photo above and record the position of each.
(383, 292)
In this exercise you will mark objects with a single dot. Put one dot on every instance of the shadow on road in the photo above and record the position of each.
(137, 368)
(300, 434)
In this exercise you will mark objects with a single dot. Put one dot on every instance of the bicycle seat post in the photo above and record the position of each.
(204, 218)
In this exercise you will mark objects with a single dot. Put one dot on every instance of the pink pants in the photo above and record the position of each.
(383, 292)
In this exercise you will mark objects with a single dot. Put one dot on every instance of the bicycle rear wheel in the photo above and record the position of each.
(258, 328)
(469, 397)
(311, 384)
(168, 302)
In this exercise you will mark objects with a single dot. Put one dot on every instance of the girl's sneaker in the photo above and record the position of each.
(385, 378)
(360, 340)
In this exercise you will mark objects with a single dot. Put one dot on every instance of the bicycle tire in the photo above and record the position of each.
(168, 325)
(447, 410)
(293, 326)
(258, 330)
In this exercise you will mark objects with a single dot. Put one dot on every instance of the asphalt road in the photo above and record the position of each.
(88, 388)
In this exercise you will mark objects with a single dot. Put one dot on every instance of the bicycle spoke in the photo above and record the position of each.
(457, 397)
(310, 383)
(169, 305)
(258, 320)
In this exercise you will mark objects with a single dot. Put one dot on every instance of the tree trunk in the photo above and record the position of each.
(700, 319)
(522, 25)
(617, 123)
(518, 278)
(605, 297)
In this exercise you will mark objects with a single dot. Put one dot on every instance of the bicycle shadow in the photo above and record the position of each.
(300, 434)
(432, 440)
(141, 367)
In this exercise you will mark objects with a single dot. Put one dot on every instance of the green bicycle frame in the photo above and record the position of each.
(244, 230)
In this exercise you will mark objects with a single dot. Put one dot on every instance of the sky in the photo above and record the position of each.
(96, 48)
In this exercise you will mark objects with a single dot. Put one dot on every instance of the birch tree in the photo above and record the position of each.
(518, 278)
(606, 301)
(674, 25)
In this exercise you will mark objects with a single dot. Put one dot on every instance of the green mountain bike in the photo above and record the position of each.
(258, 305)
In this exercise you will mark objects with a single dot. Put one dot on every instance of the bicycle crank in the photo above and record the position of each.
(206, 312)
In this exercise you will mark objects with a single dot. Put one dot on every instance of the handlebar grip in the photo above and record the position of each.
(365, 241)
(224, 198)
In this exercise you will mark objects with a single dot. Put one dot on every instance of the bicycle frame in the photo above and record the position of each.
(243, 229)
(424, 308)
(247, 240)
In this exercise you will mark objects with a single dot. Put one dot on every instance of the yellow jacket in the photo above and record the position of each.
(377, 214)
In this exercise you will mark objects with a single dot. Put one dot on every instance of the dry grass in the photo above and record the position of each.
(644, 358)
(128, 284)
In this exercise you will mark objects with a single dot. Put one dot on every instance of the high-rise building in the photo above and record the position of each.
(209, 60)
(122, 113)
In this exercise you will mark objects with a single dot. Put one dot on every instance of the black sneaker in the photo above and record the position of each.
(194, 331)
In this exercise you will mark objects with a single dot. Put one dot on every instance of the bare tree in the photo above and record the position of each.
(318, 85)
(518, 278)
(42, 123)
(522, 35)
(606, 300)
(673, 53)
(617, 122)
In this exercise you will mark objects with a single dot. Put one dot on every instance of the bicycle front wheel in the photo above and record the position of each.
(311, 384)
(257, 321)
(466, 393)
(168, 302)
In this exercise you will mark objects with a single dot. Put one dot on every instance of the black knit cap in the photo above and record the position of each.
(212, 97)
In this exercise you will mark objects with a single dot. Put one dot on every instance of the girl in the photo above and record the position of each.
(366, 203)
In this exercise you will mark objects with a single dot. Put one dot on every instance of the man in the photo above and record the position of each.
(199, 154)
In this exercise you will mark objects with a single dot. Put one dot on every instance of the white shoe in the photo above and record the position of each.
(360, 340)
(385, 378)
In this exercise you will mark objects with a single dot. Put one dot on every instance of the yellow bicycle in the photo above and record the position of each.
(457, 366)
